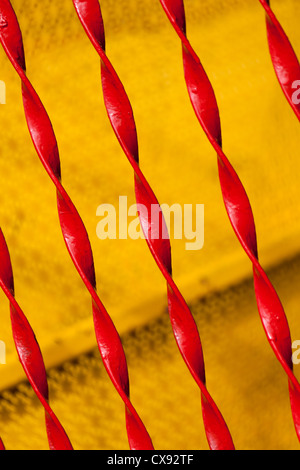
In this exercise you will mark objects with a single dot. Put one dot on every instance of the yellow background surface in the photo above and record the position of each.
(261, 139)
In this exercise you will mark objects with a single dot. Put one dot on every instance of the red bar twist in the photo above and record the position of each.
(284, 59)
(237, 204)
(121, 117)
(73, 229)
(29, 353)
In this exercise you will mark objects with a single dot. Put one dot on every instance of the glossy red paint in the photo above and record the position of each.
(75, 237)
(237, 203)
(30, 354)
(184, 327)
(284, 59)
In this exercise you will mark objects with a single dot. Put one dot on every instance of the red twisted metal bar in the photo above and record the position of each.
(29, 353)
(284, 59)
(237, 204)
(73, 229)
(121, 117)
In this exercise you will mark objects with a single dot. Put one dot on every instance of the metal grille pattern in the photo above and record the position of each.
(99, 32)
(237, 203)
(184, 327)
(30, 354)
(74, 232)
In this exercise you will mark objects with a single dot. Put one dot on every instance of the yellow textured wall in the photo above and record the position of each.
(261, 138)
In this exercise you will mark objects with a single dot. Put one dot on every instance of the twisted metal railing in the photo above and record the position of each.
(73, 229)
(29, 353)
(237, 204)
(184, 327)
(284, 59)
